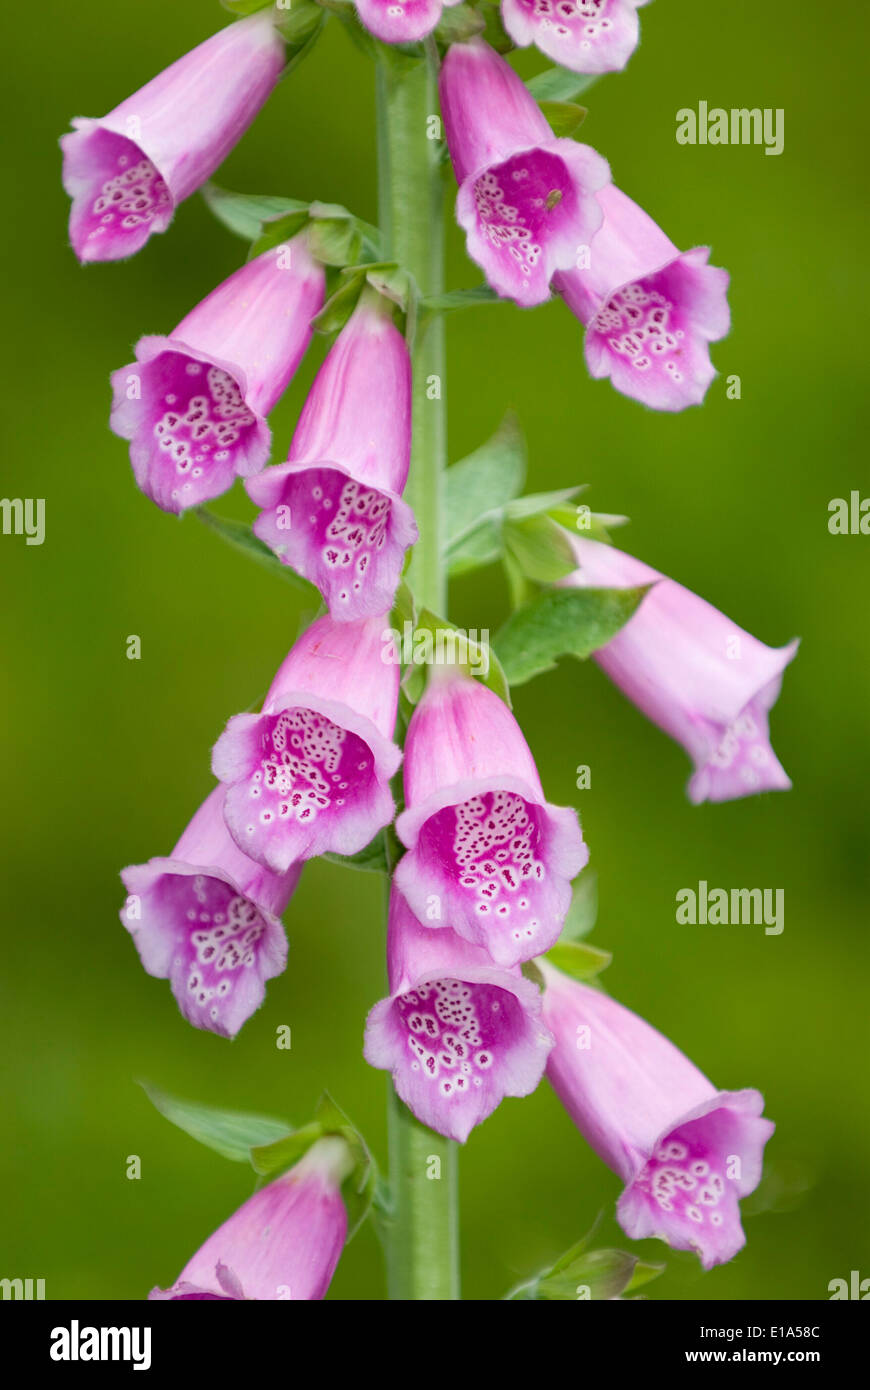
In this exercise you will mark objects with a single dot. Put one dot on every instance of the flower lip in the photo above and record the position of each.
(411, 821)
(387, 755)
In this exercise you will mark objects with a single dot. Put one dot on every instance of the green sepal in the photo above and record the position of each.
(459, 24)
(559, 84)
(358, 1188)
(539, 548)
(478, 489)
(386, 277)
(583, 912)
(414, 680)
(239, 535)
(578, 959)
(579, 520)
(298, 24)
(582, 1274)
(231, 1133)
(275, 231)
(562, 622)
(494, 31)
(372, 859)
(462, 299)
(563, 117)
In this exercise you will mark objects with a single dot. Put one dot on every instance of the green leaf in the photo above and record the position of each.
(594, 1274)
(562, 622)
(245, 213)
(540, 549)
(298, 24)
(558, 84)
(372, 859)
(593, 525)
(583, 912)
(478, 489)
(459, 24)
(578, 959)
(231, 1133)
(536, 503)
(462, 299)
(563, 117)
(341, 303)
(643, 1274)
(239, 535)
(334, 237)
(442, 649)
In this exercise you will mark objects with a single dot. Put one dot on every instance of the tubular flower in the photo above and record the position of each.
(487, 855)
(194, 405)
(283, 1243)
(457, 1033)
(650, 310)
(127, 172)
(685, 1151)
(401, 21)
(694, 673)
(206, 919)
(334, 510)
(311, 772)
(526, 199)
(582, 35)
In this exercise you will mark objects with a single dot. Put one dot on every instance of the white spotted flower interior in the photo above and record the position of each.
(310, 774)
(194, 404)
(206, 919)
(401, 21)
(650, 310)
(127, 171)
(457, 1033)
(282, 1244)
(694, 673)
(686, 1152)
(582, 35)
(334, 510)
(487, 855)
(526, 199)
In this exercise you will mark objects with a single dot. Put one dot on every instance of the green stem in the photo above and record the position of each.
(423, 1241)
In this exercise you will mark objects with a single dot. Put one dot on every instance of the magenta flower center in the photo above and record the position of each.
(639, 324)
(517, 201)
(348, 525)
(488, 847)
(455, 1031)
(222, 930)
(130, 195)
(201, 416)
(311, 767)
(685, 1178)
(584, 18)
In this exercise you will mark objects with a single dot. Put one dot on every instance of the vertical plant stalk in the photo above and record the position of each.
(423, 1242)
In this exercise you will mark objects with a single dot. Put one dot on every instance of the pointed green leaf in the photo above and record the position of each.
(559, 84)
(443, 648)
(539, 548)
(244, 213)
(462, 299)
(478, 488)
(537, 503)
(372, 859)
(578, 959)
(562, 622)
(595, 1275)
(341, 304)
(239, 535)
(583, 912)
(580, 521)
(229, 1132)
(643, 1274)
(277, 231)
(563, 117)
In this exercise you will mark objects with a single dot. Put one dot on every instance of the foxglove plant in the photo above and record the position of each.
(128, 171)
(457, 1033)
(526, 199)
(207, 919)
(650, 310)
(311, 772)
(487, 855)
(686, 1152)
(334, 510)
(282, 1244)
(479, 864)
(194, 404)
(590, 36)
(700, 677)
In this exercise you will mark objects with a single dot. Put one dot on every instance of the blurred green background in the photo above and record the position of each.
(105, 759)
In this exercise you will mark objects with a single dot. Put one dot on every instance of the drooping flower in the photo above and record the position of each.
(487, 855)
(194, 404)
(582, 35)
(401, 21)
(694, 673)
(310, 774)
(457, 1033)
(685, 1151)
(282, 1244)
(650, 310)
(334, 510)
(526, 199)
(207, 919)
(127, 172)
